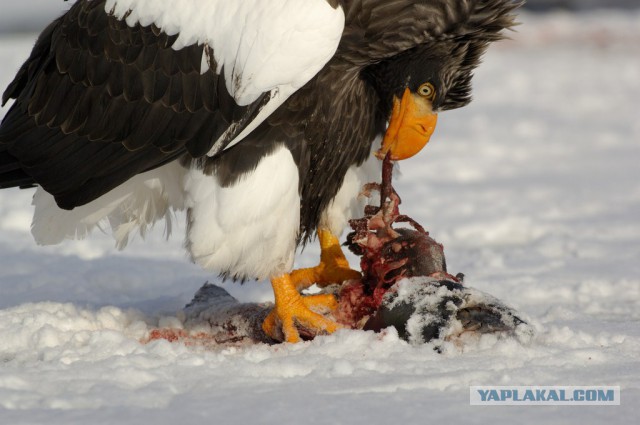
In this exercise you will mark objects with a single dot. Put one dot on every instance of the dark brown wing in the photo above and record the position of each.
(98, 102)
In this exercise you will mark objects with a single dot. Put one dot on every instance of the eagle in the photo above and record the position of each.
(262, 119)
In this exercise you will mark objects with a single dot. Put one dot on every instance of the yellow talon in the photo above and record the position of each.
(333, 267)
(292, 309)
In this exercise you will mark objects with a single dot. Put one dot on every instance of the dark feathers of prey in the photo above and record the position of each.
(98, 102)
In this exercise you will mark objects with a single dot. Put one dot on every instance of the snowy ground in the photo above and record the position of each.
(534, 190)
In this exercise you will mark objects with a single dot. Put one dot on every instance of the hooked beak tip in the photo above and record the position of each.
(411, 125)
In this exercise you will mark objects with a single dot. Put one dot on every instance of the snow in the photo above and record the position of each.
(533, 190)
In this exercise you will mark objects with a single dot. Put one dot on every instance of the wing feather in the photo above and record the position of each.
(114, 88)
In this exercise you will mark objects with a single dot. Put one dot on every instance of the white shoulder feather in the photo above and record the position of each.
(262, 46)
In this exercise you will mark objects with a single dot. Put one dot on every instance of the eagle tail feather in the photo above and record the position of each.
(136, 205)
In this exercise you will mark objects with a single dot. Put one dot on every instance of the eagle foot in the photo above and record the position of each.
(294, 315)
(333, 267)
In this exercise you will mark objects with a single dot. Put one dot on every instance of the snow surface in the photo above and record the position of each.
(534, 190)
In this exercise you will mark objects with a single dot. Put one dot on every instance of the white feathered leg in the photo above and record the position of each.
(250, 228)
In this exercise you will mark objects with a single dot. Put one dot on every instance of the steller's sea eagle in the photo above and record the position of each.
(260, 118)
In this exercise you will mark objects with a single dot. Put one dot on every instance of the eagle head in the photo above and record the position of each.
(416, 84)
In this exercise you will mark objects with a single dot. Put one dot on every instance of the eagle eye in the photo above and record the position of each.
(427, 90)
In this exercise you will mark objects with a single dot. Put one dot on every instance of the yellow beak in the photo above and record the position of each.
(411, 125)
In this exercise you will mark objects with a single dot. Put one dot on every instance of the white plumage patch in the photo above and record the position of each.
(263, 46)
(349, 202)
(134, 205)
(250, 228)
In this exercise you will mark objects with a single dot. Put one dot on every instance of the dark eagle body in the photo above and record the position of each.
(118, 115)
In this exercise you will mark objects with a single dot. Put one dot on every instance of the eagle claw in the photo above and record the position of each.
(293, 315)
